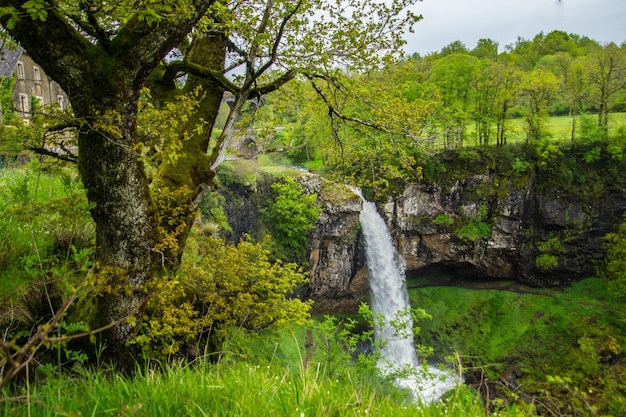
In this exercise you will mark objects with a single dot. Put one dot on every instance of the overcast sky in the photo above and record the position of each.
(446, 21)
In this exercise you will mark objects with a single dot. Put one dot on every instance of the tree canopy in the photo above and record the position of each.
(105, 54)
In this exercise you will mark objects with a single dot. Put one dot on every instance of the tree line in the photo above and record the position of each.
(395, 116)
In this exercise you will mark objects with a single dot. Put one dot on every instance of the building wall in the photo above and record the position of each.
(31, 82)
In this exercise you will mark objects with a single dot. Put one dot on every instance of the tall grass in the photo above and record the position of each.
(39, 209)
(227, 389)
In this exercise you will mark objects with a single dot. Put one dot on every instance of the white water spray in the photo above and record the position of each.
(390, 300)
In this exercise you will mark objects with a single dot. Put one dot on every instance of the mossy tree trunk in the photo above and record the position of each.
(190, 175)
(103, 78)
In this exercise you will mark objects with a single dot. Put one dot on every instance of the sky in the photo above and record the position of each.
(446, 21)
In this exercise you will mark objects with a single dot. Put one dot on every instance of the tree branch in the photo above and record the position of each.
(203, 72)
(277, 41)
(275, 84)
(69, 157)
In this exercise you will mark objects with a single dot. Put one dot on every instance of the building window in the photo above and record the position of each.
(20, 71)
(61, 101)
(24, 107)
(40, 99)
(37, 75)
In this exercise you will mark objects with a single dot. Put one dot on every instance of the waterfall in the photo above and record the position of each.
(390, 300)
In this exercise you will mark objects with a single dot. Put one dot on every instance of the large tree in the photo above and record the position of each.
(105, 53)
(606, 75)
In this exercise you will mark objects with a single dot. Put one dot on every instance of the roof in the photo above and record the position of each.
(8, 60)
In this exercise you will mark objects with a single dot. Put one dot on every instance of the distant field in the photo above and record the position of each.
(560, 127)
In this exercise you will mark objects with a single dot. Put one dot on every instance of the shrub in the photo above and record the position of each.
(292, 214)
(217, 288)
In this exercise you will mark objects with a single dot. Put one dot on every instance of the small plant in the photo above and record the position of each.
(476, 226)
(520, 166)
(443, 220)
(546, 262)
(550, 250)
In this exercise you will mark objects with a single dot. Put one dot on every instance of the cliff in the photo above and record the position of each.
(479, 220)
(537, 236)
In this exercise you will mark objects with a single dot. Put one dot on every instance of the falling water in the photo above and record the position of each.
(391, 301)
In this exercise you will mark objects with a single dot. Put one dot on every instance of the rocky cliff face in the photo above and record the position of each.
(338, 279)
(538, 236)
(484, 226)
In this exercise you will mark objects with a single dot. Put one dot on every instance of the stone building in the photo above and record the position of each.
(30, 83)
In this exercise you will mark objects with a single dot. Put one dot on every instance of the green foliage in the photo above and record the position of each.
(588, 129)
(234, 389)
(551, 250)
(615, 151)
(443, 220)
(212, 209)
(552, 245)
(162, 129)
(281, 373)
(218, 288)
(593, 155)
(463, 95)
(47, 250)
(292, 214)
(44, 220)
(574, 333)
(615, 271)
(336, 342)
(476, 226)
(546, 261)
(474, 230)
(520, 166)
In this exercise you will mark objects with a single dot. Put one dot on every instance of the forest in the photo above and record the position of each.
(126, 290)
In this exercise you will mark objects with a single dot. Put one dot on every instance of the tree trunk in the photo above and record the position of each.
(103, 77)
(126, 221)
(191, 174)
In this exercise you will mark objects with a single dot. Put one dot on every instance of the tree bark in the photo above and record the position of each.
(191, 173)
(103, 80)
(126, 221)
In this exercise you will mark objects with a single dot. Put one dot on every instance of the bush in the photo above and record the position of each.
(217, 288)
(292, 214)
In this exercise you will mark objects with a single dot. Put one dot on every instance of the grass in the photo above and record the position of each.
(559, 128)
(41, 213)
(491, 324)
(575, 334)
(231, 388)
